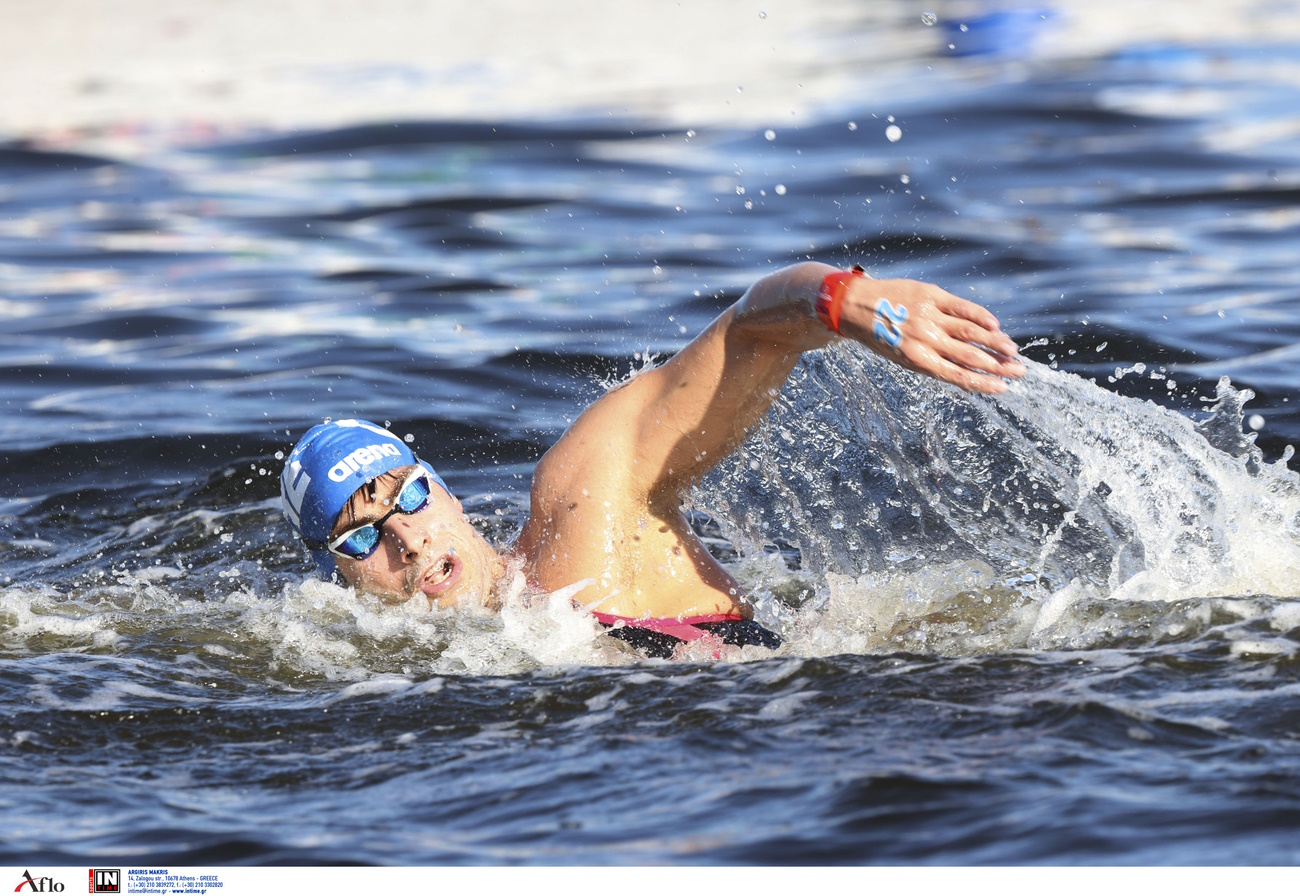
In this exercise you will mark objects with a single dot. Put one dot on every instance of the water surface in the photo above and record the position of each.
(1059, 626)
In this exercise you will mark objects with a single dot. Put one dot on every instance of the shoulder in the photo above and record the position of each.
(594, 471)
(602, 446)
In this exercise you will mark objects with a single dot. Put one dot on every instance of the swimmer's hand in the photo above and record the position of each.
(931, 331)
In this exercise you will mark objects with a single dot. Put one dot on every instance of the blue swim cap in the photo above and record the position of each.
(326, 467)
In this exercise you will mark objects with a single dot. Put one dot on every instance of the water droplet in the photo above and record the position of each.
(740, 191)
(853, 125)
(1102, 347)
(928, 18)
(1221, 313)
(905, 179)
(770, 134)
(780, 189)
(1256, 422)
(964, 29)
(656, 270)
(837, 521)
(893, 133)
(690, 134)
(762, 15)
(409, 437)
(749, 203)
(889, 118)
(740, 89)
(279, 455)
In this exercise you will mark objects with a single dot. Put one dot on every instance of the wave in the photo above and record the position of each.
(873, 512)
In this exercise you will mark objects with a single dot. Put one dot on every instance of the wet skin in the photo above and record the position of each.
(606, 499)
(435, 551)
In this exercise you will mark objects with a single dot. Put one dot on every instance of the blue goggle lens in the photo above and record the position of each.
(415, 494)
(360, 543)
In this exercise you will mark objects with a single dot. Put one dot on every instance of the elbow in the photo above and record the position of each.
(781, 306)
(805, 272)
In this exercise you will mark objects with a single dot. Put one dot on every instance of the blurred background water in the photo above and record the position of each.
(1059, 626)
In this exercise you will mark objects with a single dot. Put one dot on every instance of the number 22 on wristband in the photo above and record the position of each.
(888, 321)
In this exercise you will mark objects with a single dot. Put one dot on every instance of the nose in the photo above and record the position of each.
(410, 537)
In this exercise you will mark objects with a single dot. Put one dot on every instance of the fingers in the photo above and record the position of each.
(965, 332)
(924, 359)
(959, 307)
(963, 352)
(974, 323)
(967, 355)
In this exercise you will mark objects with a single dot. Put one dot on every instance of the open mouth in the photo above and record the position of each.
(441, 575)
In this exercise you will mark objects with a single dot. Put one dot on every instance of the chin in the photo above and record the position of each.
(445, 601)
(391, 598)
(465, 599)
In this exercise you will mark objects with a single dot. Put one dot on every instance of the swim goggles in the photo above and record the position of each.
(360, 542)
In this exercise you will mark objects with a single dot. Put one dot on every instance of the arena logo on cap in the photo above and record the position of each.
(362, 457)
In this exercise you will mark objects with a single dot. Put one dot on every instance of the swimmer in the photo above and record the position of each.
(606, 498)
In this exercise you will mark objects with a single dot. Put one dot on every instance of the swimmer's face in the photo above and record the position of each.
(434, 551)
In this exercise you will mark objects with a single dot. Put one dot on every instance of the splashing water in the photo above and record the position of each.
(927, 519)
(922, 519)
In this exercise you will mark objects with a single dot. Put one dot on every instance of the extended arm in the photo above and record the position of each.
(606, 498)
(650, 438)
(696, 408)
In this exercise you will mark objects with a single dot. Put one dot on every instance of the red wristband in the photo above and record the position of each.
(831, 298)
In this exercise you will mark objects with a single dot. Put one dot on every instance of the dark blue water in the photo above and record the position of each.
(1060, 626)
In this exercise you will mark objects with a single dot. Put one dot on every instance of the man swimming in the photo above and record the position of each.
(606, 498)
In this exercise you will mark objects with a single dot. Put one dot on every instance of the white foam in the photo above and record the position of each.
(1056, 495)
(1053, 608)
(112, 694)
(159, 573)
(1057, 517)
(1257, 647)
(31, 613)
(1285, 617)
(380, 684)
(785, 706)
